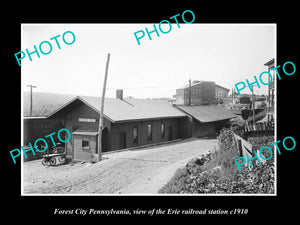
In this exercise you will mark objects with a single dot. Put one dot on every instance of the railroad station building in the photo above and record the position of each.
(130, 123)
(127, 123)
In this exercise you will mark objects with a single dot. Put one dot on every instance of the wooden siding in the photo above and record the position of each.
(72, 123)
(127, 128)
(113, 131)
(39, 128)
(79, 152)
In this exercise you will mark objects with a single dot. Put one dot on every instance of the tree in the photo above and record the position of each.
(262, 105)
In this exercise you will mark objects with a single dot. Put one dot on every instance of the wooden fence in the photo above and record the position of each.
(258, 129)
(244, 147)
(262, 126)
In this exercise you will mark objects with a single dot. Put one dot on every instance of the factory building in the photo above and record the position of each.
(200, 93)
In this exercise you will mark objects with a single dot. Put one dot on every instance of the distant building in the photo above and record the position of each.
(198, 93)
(221, 92)
(271, 91)
(201, 93)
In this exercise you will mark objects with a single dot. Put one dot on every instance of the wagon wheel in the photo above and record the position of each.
(47, 162)
(61, 158)
(44, 162)
(52, 161)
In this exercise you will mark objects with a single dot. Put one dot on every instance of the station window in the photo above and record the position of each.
(85, 144)
(135, 135)
(162, 130)
(149, 132)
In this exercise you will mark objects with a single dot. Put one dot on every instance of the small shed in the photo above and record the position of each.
(84, 144)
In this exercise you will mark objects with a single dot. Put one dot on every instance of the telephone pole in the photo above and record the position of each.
(101, 112)
(31, 86)
(253, 103)
(190, 90)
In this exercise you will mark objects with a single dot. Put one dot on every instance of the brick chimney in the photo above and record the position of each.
(119, 94)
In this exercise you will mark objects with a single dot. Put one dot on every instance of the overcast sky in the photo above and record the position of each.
(224, 53)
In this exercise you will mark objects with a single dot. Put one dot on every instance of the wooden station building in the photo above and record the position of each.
(132, 122)
(127, 123)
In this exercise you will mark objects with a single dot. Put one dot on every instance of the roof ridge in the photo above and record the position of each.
(117, 110)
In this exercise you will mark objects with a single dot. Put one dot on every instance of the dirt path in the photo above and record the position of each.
(128, 172)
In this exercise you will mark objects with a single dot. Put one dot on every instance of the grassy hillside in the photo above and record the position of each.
(217, 173)
(44, 103)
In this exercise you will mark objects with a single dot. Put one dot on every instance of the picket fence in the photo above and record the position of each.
(262, 126)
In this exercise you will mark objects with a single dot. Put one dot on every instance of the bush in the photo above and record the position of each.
(177, 183)
(259, 142)
(226, 140)
(217, 172)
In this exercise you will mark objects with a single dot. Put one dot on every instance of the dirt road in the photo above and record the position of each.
(141, 171)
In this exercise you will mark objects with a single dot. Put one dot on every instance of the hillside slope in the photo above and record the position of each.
(44, 103)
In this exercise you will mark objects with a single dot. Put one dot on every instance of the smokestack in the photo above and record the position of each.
(119, 94)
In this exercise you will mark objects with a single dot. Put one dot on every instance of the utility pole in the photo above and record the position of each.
(253, 103)
(101, 112)
(31, 86)
(253, 110)
(190, 90)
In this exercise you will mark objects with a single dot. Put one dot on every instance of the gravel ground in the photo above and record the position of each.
(141, 171)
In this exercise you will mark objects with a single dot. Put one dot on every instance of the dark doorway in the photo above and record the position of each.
(122, 140)
(105, 139)
(170, 133)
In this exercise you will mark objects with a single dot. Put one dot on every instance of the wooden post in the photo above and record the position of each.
(101, 112)
(31, 86)
(190, 87)
(240, 147)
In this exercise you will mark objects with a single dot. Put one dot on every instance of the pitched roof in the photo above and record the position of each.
(270, 62)
(196, 82)
(222, 87)
(207, 113)
(117, 110)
